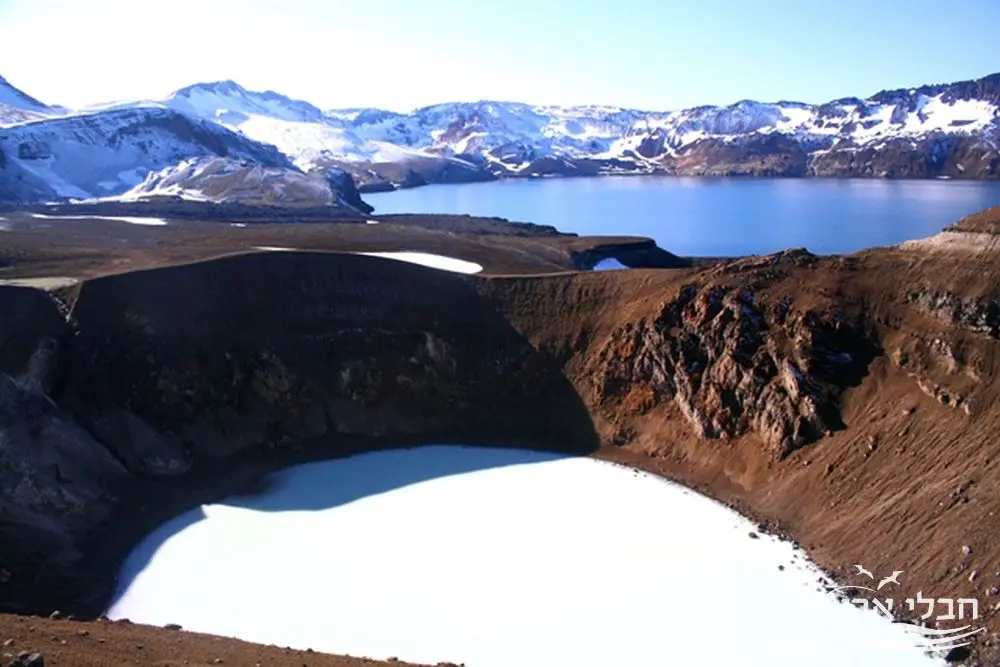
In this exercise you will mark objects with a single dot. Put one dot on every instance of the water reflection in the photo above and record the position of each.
(714, 217)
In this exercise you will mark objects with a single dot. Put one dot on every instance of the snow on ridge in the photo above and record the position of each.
(223, 179)
(132, 220)
(434, 261)
(515, 133)
(15, 97)
(431, 260)
(72, 154)
(102, 153)
(230, 102)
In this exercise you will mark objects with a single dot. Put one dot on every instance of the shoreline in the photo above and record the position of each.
(392, 187)
(241, 482)
(617, 458)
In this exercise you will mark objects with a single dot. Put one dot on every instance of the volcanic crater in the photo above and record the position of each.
(847, 402)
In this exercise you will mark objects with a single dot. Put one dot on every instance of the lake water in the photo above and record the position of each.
(715, 217)
(494, 558)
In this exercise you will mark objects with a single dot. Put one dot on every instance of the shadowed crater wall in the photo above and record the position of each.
(180, 385)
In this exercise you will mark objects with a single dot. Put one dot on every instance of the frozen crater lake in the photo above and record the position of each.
(494, 558)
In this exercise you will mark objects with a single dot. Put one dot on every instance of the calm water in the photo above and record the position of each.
(695, 216)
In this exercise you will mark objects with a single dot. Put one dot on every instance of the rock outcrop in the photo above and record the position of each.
(734, 365)
(935, 156)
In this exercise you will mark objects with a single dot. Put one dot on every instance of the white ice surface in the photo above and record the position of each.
(497, 558)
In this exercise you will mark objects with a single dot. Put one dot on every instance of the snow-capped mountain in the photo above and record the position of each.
(141, 150)
(483, 140)
(154, 147)
(308, 136)
(217, 179)
(17, 106)
(512, 136)
(105, 153)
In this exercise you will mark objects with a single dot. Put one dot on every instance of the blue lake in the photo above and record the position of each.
(715, 217)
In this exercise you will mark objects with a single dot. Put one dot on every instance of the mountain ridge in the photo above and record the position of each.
(937, 130)
(13, 96)
(17, 106)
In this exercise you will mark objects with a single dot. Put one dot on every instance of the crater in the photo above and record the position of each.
(497, 557)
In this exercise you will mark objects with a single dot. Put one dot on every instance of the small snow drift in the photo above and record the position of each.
(442, 262)
(609, 264)
(132, 220)
(510, 558)
(46, 283)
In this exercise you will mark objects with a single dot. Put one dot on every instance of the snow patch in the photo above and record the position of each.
(151, 222)
(45, 283)
(609, 264)
(132, 177)
(442, 262)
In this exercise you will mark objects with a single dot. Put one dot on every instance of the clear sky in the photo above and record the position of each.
(400, 54)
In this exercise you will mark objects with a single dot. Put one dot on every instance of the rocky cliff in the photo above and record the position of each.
(167, 381)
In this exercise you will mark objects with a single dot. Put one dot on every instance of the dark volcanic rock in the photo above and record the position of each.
(175, 380)
(33, 150)
(652, 146)
(224, 212)
(28, 659)
(342, 184)
(937, 155)
(986, 88)
(253, 377)
(641, 254)
(981, 315)
(767, 155)
(733, 366)
(49, 465)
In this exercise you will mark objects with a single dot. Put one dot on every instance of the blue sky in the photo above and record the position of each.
(400, 54)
